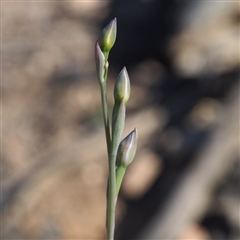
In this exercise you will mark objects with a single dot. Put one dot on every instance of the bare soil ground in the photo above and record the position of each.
(184, 182)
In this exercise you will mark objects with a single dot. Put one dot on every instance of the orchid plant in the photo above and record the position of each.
(120, 153)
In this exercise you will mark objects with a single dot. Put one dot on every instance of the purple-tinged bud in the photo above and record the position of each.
(122, 87)
(127, 149)
(100, 62)
(109, 36)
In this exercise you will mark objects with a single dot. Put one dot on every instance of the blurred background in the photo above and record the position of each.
(183, 62)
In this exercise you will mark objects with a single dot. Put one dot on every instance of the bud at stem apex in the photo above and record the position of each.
(108, 36)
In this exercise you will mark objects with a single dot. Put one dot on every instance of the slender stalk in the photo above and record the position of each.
(112, 197)
(105, 115)
(111, 201)
(112, 151)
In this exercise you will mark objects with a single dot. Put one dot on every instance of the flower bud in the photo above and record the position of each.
(100, 62)
(127, 149)
(122, 87)
(109, 36)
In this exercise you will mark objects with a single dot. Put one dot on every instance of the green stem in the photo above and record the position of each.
(119, 177)
(112, 197)
(112, 151)
(105, 115)
(111, 201)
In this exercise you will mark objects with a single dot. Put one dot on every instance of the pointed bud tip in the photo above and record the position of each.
(124, 69)
(125, 72)
(113, 22)
(136, 131)
(97, 47)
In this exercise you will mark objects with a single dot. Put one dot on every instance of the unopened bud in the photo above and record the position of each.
(127, 149)
(100, 62)
(109, 36)
(122, 87)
